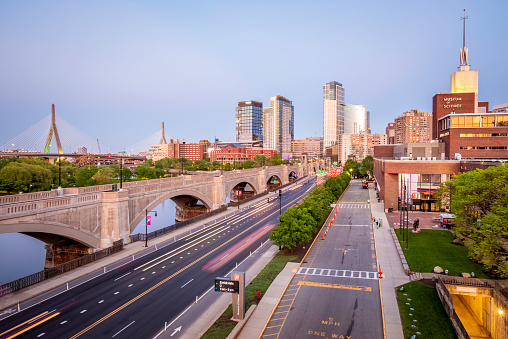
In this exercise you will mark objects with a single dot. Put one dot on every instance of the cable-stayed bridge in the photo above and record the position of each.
(54, 135)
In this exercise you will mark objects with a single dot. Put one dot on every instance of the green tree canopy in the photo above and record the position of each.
(479, 200)
(104, 175)
(84, 176)
(145, 172)
(296, 227)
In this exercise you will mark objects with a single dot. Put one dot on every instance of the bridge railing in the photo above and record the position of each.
(154, 234)
(60, 269)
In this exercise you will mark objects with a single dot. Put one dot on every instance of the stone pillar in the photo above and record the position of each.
(114, 218)
(285, 174)
(261, 181)
(219, 198)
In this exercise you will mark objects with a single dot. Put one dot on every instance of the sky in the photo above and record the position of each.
(116, 69)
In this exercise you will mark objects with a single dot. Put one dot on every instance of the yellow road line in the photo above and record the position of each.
(36, 324)
(167, 279)
(188, 245)
(29, 320)
(346, 287)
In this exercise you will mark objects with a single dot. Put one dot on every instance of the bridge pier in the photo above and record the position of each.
(114, 218)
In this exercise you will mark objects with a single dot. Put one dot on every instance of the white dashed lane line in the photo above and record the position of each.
(122, 276)
(40, 335)
(100, 302)
(82, 311)
(63, 322)
(142, 279)
(163, 266)
(153, 272)
(129, 285)
(172, 262)
(116, 293)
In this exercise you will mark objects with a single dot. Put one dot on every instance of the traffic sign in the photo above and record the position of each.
(227, 285)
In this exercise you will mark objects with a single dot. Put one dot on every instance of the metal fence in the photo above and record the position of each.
(57, 270)
(154, 234)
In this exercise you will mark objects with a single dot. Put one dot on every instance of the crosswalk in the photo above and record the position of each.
(353, 205)
(326, 272)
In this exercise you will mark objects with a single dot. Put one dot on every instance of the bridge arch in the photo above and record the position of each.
(57, 229)
(232, 184)
(138, 210)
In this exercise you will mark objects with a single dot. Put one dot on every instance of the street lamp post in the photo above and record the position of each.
(146, 225)
(59, 172)
(29, 188)
(280, 202)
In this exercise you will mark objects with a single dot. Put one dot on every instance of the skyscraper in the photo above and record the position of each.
(356, 119)
(333, 112)
(249, 121)
(413, 126)
(279, 125)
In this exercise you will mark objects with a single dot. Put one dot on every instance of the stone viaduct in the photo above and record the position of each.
(82, 219)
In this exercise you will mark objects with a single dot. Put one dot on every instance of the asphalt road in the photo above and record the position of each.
(135, 300)
(335, 293)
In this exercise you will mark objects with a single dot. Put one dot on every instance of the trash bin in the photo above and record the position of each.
(390, 210)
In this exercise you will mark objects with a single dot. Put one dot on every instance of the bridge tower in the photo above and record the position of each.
(163, 137)
(53, 131)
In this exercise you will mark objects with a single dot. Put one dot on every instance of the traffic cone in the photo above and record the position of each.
(371, 217)
(322, 236)
(380, 273)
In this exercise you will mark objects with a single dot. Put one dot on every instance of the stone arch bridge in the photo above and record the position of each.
(76, 221)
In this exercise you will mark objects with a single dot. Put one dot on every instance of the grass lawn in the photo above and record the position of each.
(432, 248)
(224, 325)
(430, 315)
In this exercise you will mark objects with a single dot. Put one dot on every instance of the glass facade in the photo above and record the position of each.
(279, 126)
(249, 121)
(333, 113)
(420, 190)
(473, 120)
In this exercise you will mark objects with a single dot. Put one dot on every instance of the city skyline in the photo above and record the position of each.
(116, 70)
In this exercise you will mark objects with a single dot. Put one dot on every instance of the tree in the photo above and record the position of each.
(479, 200)
(276, 160)
(84, 176)
(126, 174)
(296, 226)
(145, 172)
(368, 165)
(249, 164)
(104, 175)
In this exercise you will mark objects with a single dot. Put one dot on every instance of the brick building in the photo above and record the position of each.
(239, 154)
(310, 146)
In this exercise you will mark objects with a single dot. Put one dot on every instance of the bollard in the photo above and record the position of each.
(196, 299)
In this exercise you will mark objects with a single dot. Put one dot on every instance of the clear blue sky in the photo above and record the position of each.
(116, 69)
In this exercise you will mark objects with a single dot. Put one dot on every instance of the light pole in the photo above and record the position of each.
(29, 188)
(146, 225)
(280, 202)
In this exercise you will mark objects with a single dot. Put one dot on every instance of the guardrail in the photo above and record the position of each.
(60, 269)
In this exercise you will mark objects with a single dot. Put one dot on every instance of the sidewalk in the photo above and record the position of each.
(391, 268)
(56, 285)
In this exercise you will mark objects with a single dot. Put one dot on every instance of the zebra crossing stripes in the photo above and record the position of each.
(326, 272)
(352, 205)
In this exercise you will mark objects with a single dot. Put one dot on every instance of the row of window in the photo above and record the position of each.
(474, 121)
(462, 135)
(483, 147)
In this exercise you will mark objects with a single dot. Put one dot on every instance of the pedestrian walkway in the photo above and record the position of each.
(391, 268)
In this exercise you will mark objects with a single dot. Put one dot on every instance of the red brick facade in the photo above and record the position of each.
(446, 103)
(232, 154)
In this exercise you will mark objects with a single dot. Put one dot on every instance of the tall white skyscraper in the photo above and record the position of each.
(279, 126)
(333, 112)
(356, 119)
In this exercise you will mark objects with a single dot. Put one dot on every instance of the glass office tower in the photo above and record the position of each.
(249, 121)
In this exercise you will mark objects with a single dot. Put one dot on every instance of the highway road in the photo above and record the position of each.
(335, 293)
(135, 300)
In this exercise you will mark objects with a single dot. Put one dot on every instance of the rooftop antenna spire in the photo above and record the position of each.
(163, 137)
(463, 51)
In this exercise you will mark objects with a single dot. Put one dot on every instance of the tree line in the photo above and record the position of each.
(479, 200)
(23, 175)
(299, 223)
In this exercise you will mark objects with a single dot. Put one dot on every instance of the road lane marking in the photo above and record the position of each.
(84, 310)
(171, 276)
(346, 287)
(100, 302)
(142, 279)
(63, 322)
(28, 321)
(129, 285)
(116, 293)
(117, 333)
(186, 283)
(350, 225)
(122, 276)
(32, 326)
(185, 246)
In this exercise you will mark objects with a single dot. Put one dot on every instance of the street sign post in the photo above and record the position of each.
(239, 298)
(227, 285)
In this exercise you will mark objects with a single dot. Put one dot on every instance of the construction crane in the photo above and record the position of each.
(99, 146)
